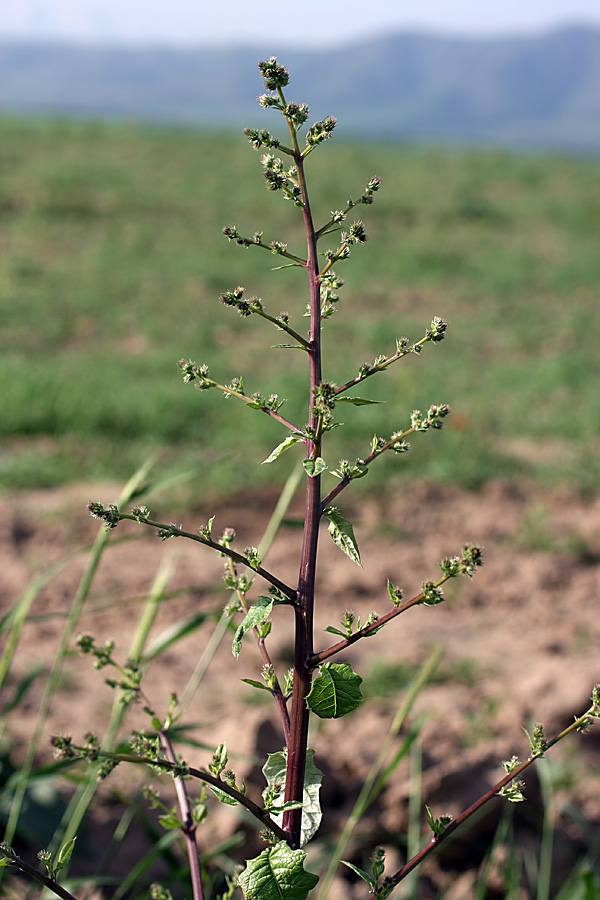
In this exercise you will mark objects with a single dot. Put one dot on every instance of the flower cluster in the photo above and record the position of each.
(324, 395)
(320, 131)
(231, 233)
(471, 558)
(356, 235)
(280, 179)
(244, 307)
(275, 76)
(437, 330)
(196, 374)
(296, 113)
(433, 419)
(109, 514)
(262, 138)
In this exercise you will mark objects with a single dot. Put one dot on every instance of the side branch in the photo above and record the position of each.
(189, 826)
(580, 724)
(369, 630)
(275, 686)
(178, 770)
(112, 516)
(363, 464)
(397, 442)
(34, 873)
(303, 343)
(470, 559)
(276, 248)
(199, 376)
(434, 334)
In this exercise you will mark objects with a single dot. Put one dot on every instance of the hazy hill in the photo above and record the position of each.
(538, 91)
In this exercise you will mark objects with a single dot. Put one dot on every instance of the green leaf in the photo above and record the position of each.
(438, 826)
(336, 691)
(256, 684)
(357, 401)
(277, 873)
(222, 797)
(332, 630)
(220, 759)
(281, 448)
(283, 807)
(342, 534)
(5, 861)
(65, 854)
(274, 771)
(255, 616)
(169, 820)
(360, 872)
(199, 813)
(314, 467)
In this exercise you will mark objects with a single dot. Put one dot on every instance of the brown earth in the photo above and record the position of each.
(520, 645)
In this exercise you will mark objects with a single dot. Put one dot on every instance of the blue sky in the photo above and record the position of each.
(323, 22)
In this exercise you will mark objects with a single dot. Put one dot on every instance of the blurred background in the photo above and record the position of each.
(122, 157)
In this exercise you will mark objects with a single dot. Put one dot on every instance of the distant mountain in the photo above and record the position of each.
(538, 91)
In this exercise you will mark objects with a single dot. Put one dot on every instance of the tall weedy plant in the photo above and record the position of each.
(319, 684)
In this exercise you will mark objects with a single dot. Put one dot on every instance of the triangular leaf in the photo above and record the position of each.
(256, 684)
(342, 534)
(335, 692)
(281, 448)
(277, 873)
(255, 616)
(274, 771)
(314, 467)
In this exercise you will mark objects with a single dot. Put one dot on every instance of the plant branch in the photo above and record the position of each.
(189, 826)
(252, 402)
(580, 724)
(364, 463)
(275, 248)
(75, 753)
(319, 658)
(294, 334)
(30, 870)
(112, 516)
(402, 351)
(275, 690)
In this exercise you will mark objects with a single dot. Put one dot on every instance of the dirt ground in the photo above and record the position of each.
(520, 646)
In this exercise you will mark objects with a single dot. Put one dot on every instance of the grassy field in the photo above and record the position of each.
(113, 262)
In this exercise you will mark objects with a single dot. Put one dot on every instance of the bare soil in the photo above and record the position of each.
(520, 645)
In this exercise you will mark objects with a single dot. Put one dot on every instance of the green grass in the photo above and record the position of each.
(113, 263)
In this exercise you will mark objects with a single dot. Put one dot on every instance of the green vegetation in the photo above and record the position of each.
(113, 263)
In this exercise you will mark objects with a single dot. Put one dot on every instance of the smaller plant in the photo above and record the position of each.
(289, 812)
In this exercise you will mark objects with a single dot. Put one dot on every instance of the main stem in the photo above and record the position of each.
(305, 597)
